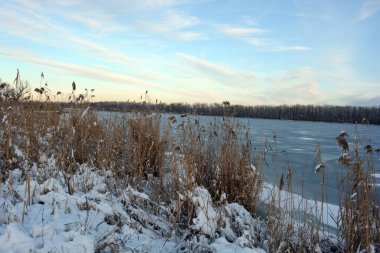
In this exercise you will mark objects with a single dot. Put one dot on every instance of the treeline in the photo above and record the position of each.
(326, 113)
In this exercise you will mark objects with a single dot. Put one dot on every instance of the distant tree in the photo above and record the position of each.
(327, 113)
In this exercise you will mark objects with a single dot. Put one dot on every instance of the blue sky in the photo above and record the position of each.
(248, 52)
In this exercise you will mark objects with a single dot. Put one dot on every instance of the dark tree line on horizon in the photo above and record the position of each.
(326, 113)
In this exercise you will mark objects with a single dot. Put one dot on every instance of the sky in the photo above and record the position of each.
(207, 51)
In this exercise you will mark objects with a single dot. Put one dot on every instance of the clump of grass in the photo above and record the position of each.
(221, 161)
(239, 178)
(359, 209)
(146, 148)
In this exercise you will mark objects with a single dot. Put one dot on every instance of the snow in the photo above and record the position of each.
(4, 120)
(319, 167)
(84, 113)
(18, 152)
(327, 211)
(222, 245)
(206, 219)
(93, 218)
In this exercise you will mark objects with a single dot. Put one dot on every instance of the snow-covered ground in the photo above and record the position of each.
(101, 218)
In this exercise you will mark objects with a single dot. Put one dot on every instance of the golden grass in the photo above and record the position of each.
(218, 157)
(359, 223)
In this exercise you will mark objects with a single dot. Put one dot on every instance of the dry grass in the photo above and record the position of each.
(290, 228)
(239, 178)
(218, 157)
(145, 149)
(359, 217)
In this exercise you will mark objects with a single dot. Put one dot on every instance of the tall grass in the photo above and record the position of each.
(359, 216)
(146, 148)
(176, 159)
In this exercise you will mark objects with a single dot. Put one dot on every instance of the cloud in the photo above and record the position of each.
(205, 66)
(369, 9)
(299, 73)
(280, 48)
(103, 52)
(174, 21)
(241, 31)
(175, 25)
(76, 11)
(253, 36)
(295, 86)
(153, 4)
(259, 42)
(309, 90)
(273, 46)
(124, 6)
(188, 36)
(36, 29)
(302, 93)
(14, 23)
(250, 98)
(217, 73)
(96, 22)
(79, 70)
(247, 20)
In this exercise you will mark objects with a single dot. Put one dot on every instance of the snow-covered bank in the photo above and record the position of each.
(101, 218)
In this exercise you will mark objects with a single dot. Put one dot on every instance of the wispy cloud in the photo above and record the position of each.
(266, 44)
(250, 98)
(188, 36)
(241, 31)
(369, 9)
(175, 25)
(79, 70)
(302, 93)
(205, 66)
(259, 42)
(295, 86)
(101, 51)
(298, 73)
(174, 21)
(20, 25)
(152, 4)
(280, 48)
(37, 30)
(254, 36)
(96, 22)
(249, 21)
(220, 74)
